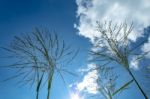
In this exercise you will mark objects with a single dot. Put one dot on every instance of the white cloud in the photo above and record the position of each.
(88, 68)
(89, 82)
(90, 11)
(134, 64)
(146, 48)
(76, 96)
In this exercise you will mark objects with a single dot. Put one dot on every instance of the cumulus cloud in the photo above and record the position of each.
(95, 79)
(118, 11)
(89, 82)
(90, 11)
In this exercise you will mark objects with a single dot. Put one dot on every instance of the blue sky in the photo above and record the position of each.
(19, 17)
(22, 16)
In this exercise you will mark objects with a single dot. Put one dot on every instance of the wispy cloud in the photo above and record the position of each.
(89, 83)
(88, 68)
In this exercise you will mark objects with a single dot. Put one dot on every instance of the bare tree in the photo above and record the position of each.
(39, 56)
(113, 46)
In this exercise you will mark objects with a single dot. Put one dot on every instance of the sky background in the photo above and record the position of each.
(19, 17)
(74, 21)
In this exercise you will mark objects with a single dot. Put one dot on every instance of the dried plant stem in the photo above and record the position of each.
(49, 85)
(137, 84)
(37, 95)
(114, 45)
(39, 54)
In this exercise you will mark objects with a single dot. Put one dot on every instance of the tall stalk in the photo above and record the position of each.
(138, 84)
(106, 81)
(49, 85)
(39, 82)
(40, 54)
(113, 46)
